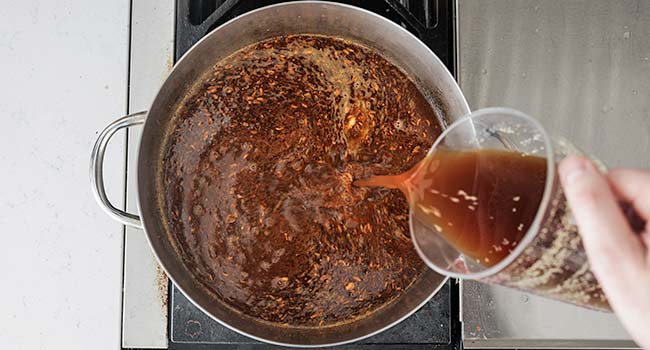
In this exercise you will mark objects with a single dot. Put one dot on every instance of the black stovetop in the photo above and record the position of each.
(435, 325)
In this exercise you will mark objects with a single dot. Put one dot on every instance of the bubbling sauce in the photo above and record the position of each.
(257, 180)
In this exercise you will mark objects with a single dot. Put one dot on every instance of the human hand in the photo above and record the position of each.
(618, 256)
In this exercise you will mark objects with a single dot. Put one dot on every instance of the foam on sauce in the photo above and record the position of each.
(258, 180)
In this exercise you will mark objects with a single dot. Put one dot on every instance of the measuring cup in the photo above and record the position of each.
(549, 260)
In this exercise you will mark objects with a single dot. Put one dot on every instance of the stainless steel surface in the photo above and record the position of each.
(97, 169)
(144, 308)
(301, 17)
(583, 69)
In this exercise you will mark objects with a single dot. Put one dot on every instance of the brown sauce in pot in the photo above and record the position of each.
(258, 180)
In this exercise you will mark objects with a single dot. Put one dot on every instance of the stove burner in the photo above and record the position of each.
(435, 325)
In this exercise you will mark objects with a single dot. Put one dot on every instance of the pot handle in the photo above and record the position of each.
(97, 169)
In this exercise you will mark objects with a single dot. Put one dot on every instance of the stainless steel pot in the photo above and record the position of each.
(363, 27)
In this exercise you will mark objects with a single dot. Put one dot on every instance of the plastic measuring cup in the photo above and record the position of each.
(549, 259)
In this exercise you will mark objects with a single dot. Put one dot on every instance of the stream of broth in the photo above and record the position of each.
(482, 201)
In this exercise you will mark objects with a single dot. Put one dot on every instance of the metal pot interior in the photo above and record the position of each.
(360, 26)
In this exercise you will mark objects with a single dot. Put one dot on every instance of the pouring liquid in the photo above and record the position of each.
(481, 201)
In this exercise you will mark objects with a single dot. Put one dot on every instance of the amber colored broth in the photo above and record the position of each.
(482, 202)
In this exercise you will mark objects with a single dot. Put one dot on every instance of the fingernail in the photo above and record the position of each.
(573, 168)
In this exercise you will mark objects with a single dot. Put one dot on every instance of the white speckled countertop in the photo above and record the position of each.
(63, 78)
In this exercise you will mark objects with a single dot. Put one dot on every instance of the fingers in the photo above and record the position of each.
(632, 186)
(616, 254)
